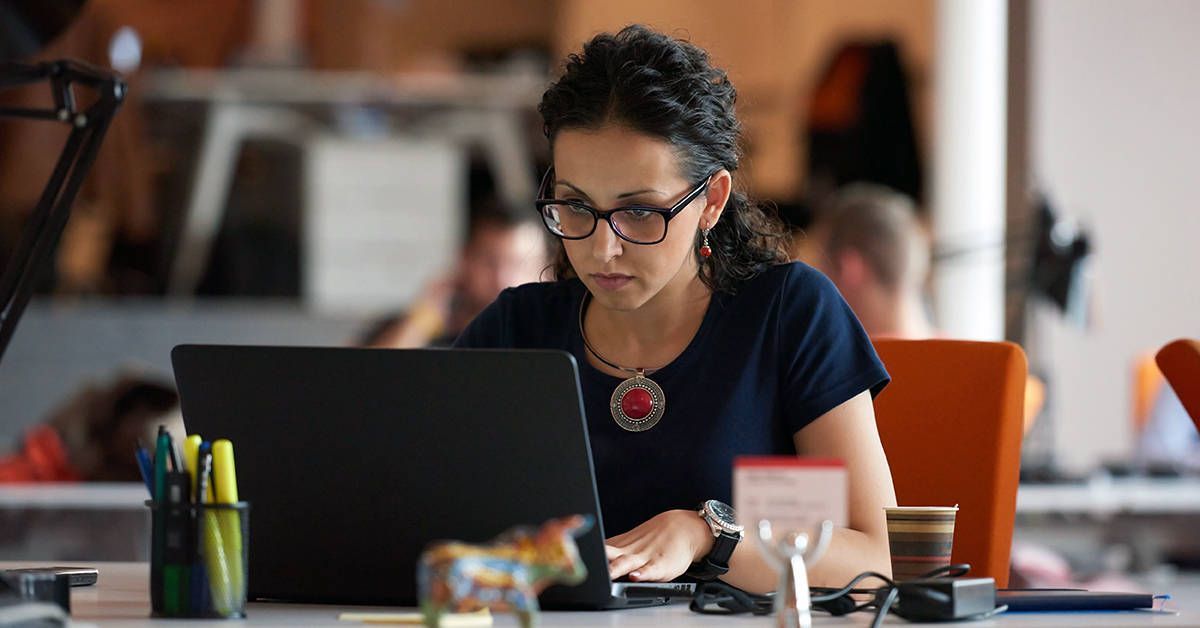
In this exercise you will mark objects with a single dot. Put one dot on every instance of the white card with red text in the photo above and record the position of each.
(793, 493)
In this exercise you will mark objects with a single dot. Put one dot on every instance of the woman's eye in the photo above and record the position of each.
(638, 214)
(575, 209)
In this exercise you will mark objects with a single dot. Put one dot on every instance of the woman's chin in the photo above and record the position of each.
(625, 299)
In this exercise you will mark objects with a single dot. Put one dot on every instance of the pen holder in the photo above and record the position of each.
(198, 559)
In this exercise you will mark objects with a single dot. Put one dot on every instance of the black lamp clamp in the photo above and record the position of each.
(88, 125)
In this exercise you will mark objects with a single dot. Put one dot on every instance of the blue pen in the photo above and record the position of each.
(145, 467)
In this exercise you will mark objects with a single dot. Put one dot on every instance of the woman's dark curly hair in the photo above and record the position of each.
(666, 88)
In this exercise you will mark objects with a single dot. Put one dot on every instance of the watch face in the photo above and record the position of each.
(722, 512)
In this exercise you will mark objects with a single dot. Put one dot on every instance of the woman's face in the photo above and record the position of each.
(614, 166)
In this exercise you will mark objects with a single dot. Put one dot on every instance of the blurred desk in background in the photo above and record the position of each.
(1102, 496)
(381, 151)
(74, 522)
(62, 346)
(1124, 523)
(107, 496)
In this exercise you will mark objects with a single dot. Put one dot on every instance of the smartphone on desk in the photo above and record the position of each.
(76, 576)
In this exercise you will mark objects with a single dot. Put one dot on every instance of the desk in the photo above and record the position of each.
(1152, 517)
(108, 496)
(121, 599)
(1103, 496)
(74, 521)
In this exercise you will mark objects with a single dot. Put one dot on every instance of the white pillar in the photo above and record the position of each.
(968, 167)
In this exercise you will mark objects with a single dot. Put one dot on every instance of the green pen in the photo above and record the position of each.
(159, 530)
(176, 558)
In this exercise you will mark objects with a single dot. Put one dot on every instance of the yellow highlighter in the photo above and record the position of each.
(210, 531)
(191, 455)
(225, 491)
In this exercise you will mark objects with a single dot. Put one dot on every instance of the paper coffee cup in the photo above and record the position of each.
(920, 538)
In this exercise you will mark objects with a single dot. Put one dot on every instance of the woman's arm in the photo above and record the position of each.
(847, 432)
(664, 547)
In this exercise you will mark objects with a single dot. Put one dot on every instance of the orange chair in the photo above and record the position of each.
(951, 424)
(1180, 364)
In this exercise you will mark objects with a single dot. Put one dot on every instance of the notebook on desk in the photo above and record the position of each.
(1050, 600)
(354, 459)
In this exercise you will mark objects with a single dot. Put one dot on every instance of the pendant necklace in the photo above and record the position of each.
(638, 402)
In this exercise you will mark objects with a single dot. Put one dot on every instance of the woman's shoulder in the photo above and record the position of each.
(789, 284)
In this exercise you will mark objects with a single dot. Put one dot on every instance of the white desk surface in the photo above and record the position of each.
(121, 599)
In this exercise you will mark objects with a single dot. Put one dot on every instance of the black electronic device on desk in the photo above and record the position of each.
(356, 459)
(1048, 600)
(76, 576)
(34, 598)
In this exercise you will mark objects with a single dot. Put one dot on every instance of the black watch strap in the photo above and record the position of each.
(716, 563)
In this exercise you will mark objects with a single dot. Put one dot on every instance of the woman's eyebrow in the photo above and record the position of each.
(619, 196)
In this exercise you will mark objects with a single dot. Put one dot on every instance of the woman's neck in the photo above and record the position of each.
(654, 334)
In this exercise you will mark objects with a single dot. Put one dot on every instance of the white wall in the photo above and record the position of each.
(1115, 113)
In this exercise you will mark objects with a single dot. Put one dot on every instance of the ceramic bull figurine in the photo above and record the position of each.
(506, 575)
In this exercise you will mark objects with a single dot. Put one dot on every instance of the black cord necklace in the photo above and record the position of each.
(638, 403)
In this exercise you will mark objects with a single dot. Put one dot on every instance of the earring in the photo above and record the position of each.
(705, 249)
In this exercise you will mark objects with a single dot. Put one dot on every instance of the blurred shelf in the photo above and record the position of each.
(74, 496)
(1103, 496)
(310, 87)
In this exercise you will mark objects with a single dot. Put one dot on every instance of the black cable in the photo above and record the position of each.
(886, 605)
(838, 601)
(718, 598)
(827, 594)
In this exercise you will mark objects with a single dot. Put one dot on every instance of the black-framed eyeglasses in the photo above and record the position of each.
(639, 224)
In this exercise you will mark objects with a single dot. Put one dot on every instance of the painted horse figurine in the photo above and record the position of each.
(506, 575)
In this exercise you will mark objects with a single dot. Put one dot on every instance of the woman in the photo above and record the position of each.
(698, 342)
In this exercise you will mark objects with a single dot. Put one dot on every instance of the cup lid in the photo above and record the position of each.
(953, 508)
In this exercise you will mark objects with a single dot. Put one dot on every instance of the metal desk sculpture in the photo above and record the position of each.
(506, 575)
(788, 556)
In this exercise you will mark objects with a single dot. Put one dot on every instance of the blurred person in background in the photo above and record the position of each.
(872, 245)
(876, 252)
(91, 436)
(504, 248)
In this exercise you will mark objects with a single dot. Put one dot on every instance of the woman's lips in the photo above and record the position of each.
(611, 281)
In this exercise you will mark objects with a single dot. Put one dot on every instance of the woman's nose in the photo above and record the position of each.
(606, 244)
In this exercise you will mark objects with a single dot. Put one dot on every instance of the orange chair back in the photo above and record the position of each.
(1180, 364)
(951, 424)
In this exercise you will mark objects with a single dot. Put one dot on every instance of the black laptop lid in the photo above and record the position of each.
(354, 459)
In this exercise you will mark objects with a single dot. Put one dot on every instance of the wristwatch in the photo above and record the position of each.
(722, 520)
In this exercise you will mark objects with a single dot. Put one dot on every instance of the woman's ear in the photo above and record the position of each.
(720, 188)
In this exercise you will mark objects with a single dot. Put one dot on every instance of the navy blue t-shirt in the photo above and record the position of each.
(766, 361)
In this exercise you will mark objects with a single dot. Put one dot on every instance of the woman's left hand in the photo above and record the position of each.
(661, 549)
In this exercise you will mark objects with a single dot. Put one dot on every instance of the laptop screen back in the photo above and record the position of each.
(354, 459)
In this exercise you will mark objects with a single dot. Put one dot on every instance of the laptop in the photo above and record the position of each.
(354, 459)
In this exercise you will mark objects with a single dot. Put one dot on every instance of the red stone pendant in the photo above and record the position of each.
(705, 251)
(638, 403)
